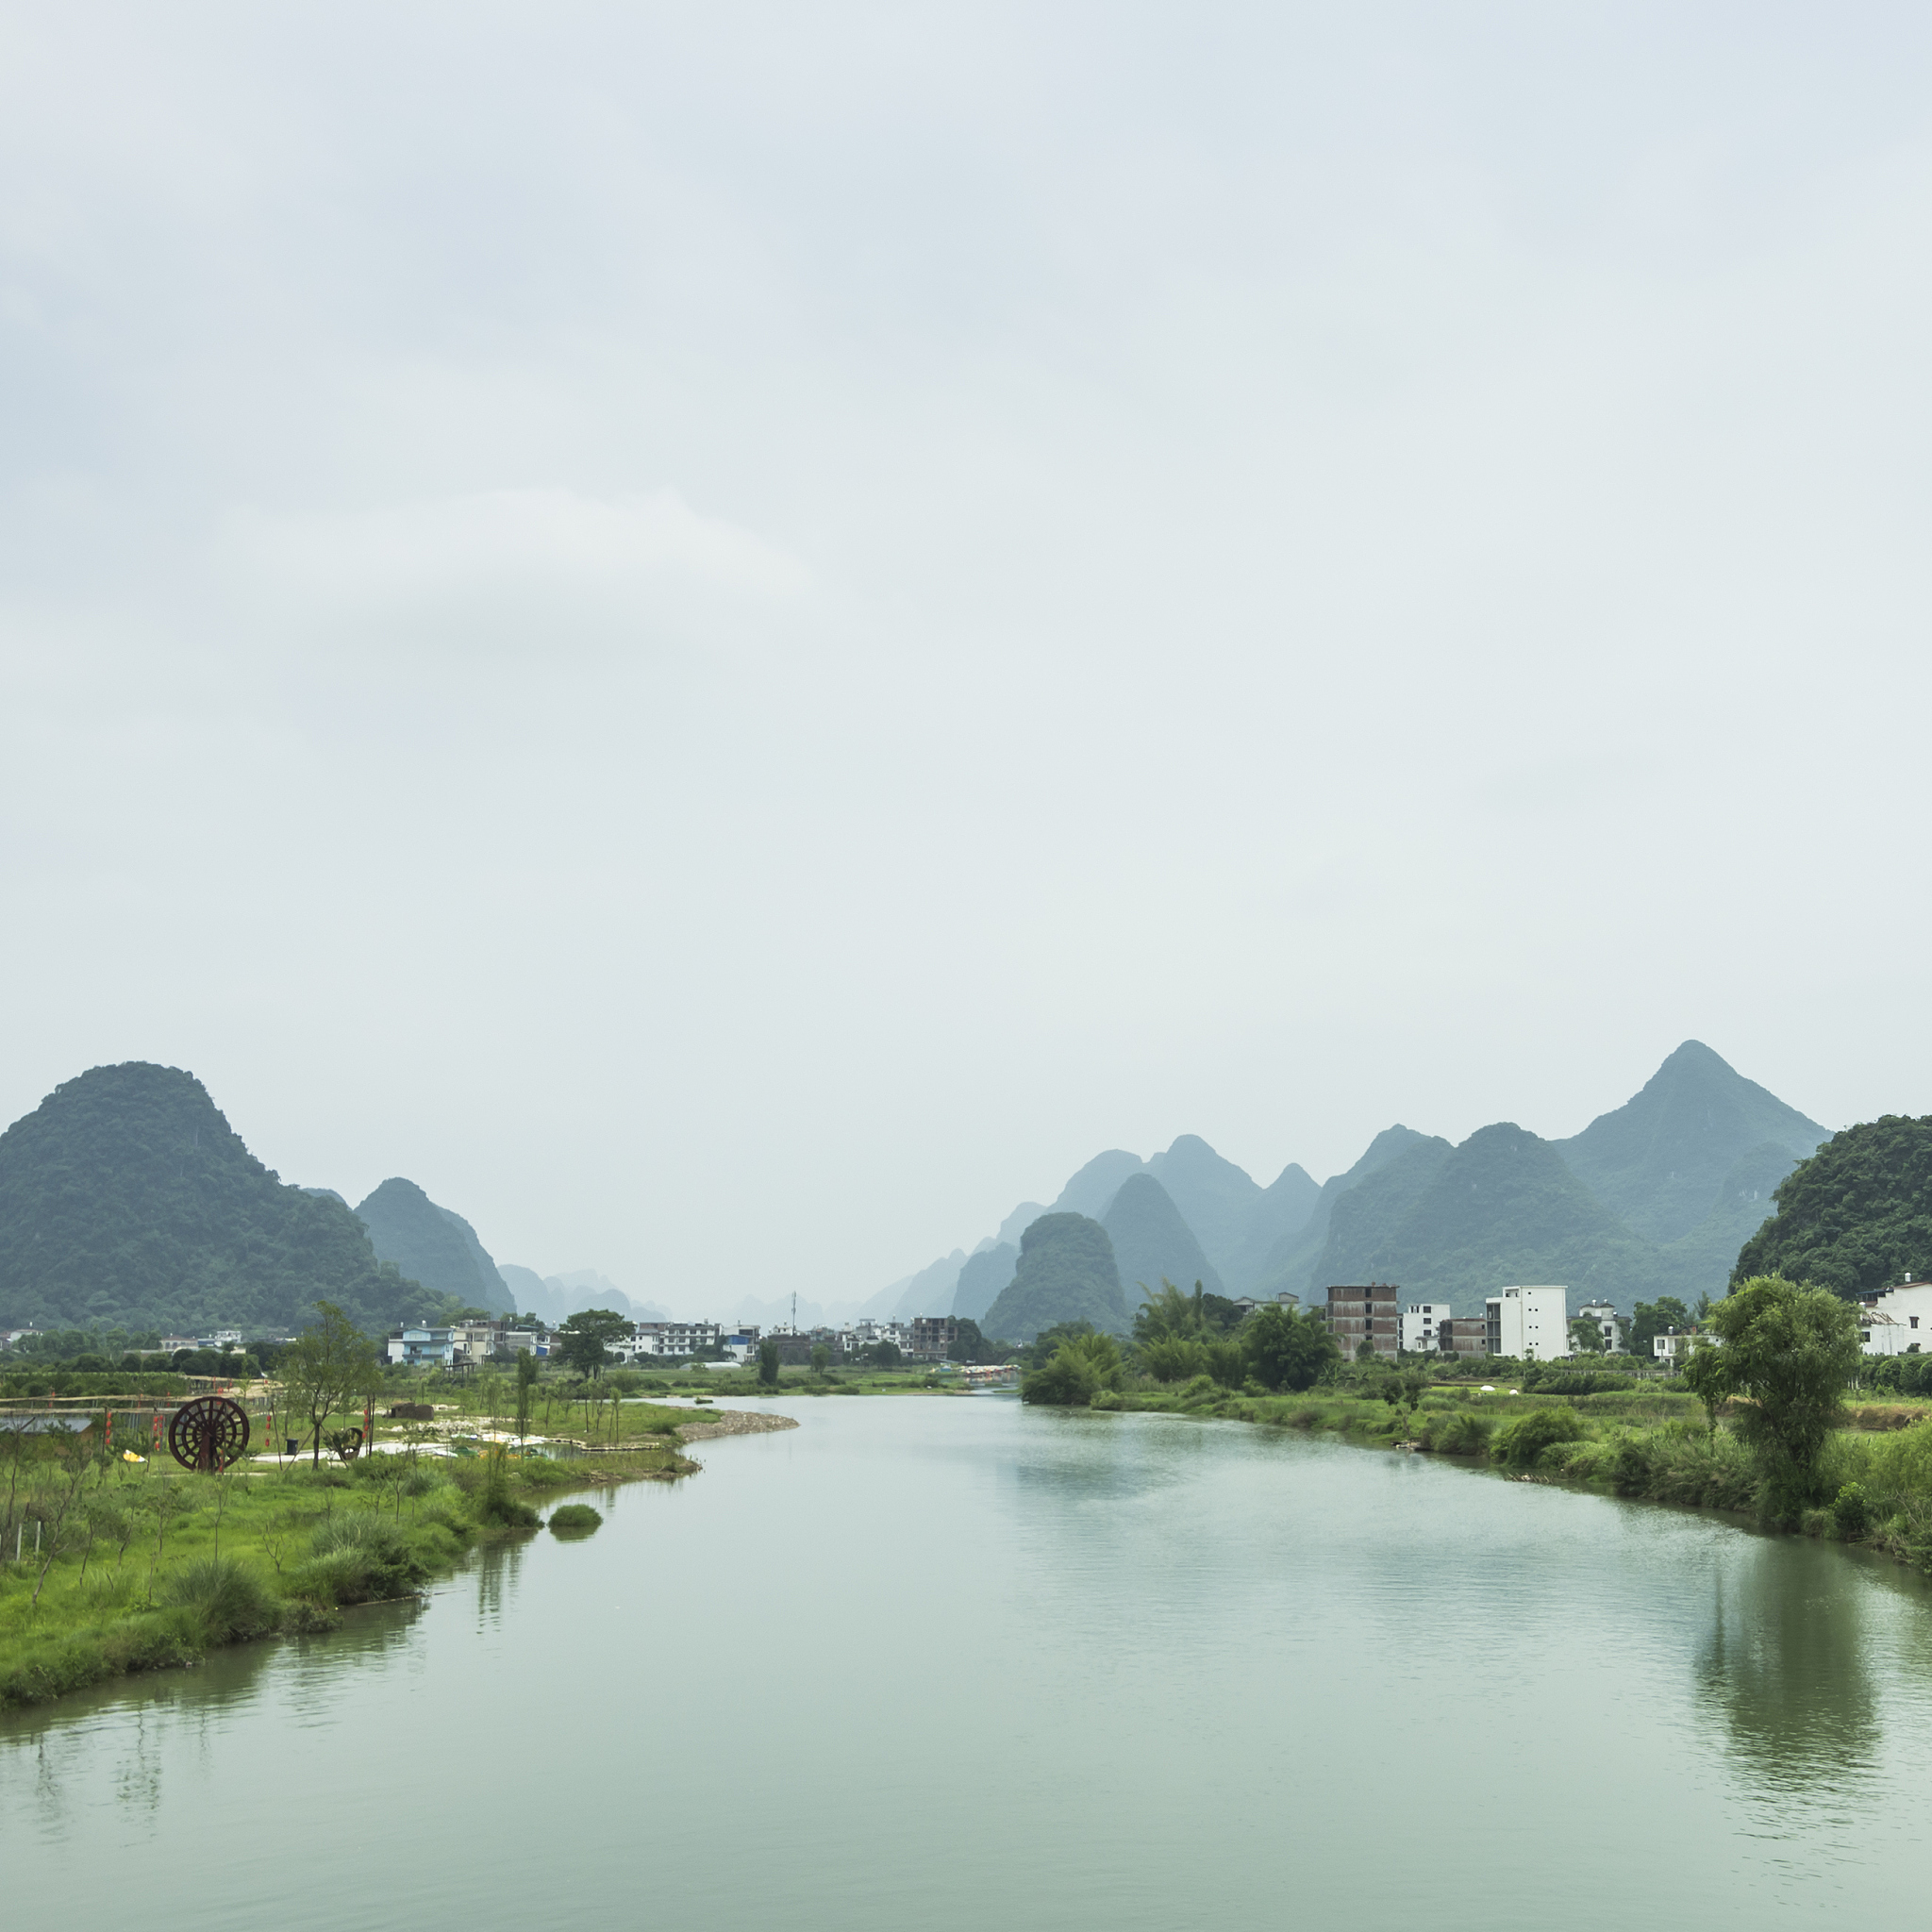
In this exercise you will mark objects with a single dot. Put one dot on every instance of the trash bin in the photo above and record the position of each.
(294, 1447)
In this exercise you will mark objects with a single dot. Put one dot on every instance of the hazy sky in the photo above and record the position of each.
(735, 635)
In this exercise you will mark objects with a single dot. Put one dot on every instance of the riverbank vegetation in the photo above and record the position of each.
(1758, 1423)
(114, 1565)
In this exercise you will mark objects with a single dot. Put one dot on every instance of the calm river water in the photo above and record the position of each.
(946, 1662)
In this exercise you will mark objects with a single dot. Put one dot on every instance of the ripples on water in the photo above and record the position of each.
(924, 1663)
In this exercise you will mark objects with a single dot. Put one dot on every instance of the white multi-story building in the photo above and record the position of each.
(1898, 1321)
(1607, 1319)
(671, 1339)
(1531, 1324)
(1418, 1325)
(863, 1334)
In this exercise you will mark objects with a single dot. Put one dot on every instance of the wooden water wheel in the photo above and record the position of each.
(209, 1434)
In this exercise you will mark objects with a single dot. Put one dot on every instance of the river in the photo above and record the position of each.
(942, 1662)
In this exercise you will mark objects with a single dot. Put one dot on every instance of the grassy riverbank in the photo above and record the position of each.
(128, 1567)
(1654, 1444)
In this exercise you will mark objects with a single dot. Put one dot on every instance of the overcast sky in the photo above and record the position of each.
(735, 635)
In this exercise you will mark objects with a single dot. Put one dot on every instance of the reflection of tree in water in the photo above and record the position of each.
(1784, 1669)
(497, 1569)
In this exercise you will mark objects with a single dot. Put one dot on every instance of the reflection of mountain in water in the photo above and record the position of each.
(1784, 1669)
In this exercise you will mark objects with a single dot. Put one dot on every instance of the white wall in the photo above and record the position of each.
(1536, 1322)
(1905, 1306)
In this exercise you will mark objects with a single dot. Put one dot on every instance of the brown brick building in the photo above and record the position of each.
(934, 1334)
(1369, 1312)
(1463, 1335)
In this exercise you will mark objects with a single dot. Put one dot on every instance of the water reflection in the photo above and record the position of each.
(497, 1564)
(1784, 1673)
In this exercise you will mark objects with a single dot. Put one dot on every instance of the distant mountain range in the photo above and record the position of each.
(1654, 1197)
(127, 1198)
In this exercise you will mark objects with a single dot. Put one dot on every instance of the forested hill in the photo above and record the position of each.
(433, 1245)
(126, 1198)
(1066, 1273)
(1857, 1217)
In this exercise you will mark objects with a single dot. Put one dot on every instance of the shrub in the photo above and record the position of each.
(225, 1599)
(1462, 1432)
(1685, 1464)
(495, 1505)
(359, 1558)
(575, 1519)
(1850, 1512)
(1522, 1438)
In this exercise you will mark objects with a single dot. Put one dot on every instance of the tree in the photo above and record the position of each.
(1648, 1320)
(1170, 1315)
(585, 1336)
(1287, 1350)
(1709, 1379)
(327, 1363)
(1587, 1337)
(1045, 1345)
(882, 1355)
(768, 1363)
(526, 1390)
(1174, 1359)
(1081, 1367)
(1790, 1350)
(970, 1345)
(821, 1357)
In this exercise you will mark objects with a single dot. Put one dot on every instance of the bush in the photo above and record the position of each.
(1850, 1512)
(1524, 1437)
(575, 1519)
(225, 1599)
(495, 1505)
(359, 1558)
(1462, 1432)
(1685, 1464)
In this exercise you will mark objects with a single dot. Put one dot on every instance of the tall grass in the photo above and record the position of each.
(225, 1600)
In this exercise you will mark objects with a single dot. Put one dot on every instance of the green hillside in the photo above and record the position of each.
(126, 1199)
(1066, 1273)
(1857, 1217)
(433, 1245)
(1293, 1261)
(1661, 1160)
(1151, 1243)
(1502, 1207)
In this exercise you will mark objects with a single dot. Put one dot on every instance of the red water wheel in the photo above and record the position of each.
(208, 1433)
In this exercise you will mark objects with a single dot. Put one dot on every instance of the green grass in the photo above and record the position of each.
(144, 1567)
